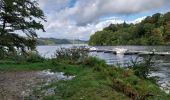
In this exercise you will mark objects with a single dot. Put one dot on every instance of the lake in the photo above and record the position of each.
(161, 63)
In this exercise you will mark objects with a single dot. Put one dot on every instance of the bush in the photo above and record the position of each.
(20, 56)
(2, 53)
(6, 54)
(143, 69)
(74, 54)
(95, 63)
(31, 57)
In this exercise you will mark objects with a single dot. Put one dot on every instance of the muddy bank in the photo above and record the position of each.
(22, 85)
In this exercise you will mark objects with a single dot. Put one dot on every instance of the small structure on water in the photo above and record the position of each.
(128, 52)
(120, 50)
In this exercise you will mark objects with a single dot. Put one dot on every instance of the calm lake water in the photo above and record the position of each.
(161, 63)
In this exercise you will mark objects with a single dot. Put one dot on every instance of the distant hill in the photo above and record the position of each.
(53, 41)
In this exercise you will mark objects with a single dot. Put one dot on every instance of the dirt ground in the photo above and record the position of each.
(22, 85)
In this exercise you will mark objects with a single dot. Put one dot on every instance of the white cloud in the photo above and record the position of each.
(90, 11)
(53, 5)
(70, 30)
(138, 20)
(84, 18)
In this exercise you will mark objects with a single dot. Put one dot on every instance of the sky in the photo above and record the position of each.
(79, 19)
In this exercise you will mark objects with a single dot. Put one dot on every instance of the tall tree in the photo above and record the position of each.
(18, 16)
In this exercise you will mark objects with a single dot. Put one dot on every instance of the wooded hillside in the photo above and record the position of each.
(153, 30)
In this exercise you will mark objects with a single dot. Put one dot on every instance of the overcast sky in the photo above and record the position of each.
(78, 19)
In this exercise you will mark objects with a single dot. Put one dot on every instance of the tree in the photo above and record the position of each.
(125, 25)
(18, 16)
(111, 27)
(167, 33)
(166, 17)
(156, 19)
(153, 30)
(157, 37)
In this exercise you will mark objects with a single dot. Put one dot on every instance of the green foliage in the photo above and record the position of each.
(73, 55)
(153, 30)
(143, 69)
(3, 53)
(33, 57)
(100, 38)
(19, 15)
(93, 85)
(95, 63)
(8, 66)
(22, 57)
(107, 83)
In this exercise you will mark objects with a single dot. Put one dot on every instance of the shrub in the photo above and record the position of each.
(74, 54)
(2, 53)
(6, 54)
(143, 69)
(20, 56)
(33, 57)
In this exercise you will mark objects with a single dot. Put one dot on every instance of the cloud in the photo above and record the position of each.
(90, 11)
(88, 16)
(51, 6)
(69, 30)
(138, 20)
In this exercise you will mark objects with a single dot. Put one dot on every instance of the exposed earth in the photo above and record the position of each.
(25, 84)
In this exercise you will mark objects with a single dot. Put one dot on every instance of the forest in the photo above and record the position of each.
(153, 30)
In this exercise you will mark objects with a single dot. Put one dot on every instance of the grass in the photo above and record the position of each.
(12, 66)
(94, 81)
(90, 84)
(87, 85)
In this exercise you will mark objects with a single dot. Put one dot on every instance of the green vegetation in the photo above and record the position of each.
(112, 83)
(154, 30)
(91, 83)
(143, 69)
(94, 79)
(53, 41)
(19, 16)
(73, 55)
(14, 66)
